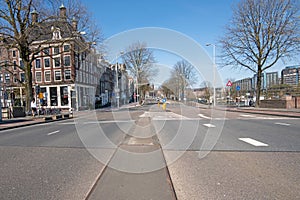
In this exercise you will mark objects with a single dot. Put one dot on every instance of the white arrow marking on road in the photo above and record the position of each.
(253, 142)
(283, 124)
(209, 125)
(53, 132)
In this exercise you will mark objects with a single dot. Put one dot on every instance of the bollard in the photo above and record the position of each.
(164, 106)
(158, 104)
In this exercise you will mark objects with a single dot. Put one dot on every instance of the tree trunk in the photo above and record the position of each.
(258, 88)
(28, 85)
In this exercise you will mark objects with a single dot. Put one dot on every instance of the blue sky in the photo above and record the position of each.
(201, 20)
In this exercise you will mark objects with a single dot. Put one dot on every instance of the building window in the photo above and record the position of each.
(67, 61)
(43, 96)
(56, 50)
(22, 77)
(7, 78)
(57, 62)
(38, 63)
(22, 64)
(38, 77)
(53, 96)
(47, 62)
(15, 78)
(14, 54)
(66, 48)
(46, 51)
(47, 76)
(57, 75)
(67, 74)
(15, 65)
(64, 95)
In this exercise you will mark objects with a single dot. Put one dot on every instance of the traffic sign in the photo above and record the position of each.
(229, 83)
(238, 88)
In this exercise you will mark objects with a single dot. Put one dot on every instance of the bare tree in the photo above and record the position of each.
(21, 26)
(184, 73)
(261, 32)
(139, 62)
(169, 87)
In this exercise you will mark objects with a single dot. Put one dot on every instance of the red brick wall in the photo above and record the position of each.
(273, 103)
(288, 104)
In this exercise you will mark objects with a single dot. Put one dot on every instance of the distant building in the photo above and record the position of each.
(244, 84)
(263, 81)
(121, 87)
(272, 79)
(290, 75)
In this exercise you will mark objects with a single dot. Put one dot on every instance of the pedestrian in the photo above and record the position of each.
(251, 102)
(33, 107)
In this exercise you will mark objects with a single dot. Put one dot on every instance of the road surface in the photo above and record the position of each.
(147, 153)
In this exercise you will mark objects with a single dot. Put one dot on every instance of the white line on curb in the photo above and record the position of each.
(253, 142)
(53, 132)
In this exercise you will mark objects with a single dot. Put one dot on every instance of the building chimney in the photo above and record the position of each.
(34, 16)
(74, 24)
(63, 12)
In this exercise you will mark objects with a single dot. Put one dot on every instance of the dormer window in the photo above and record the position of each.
(56, 33)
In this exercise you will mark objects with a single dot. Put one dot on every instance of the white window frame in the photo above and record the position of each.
(14, 53)
(45, 62)
(36, 77)
(36, 63)
(68, 48)
(70, 74)
(69, 60)
(46, 76)
(55, 75)
(56, 47)
(54, 61)
(7, 78)
(46, 51)
(22, 81)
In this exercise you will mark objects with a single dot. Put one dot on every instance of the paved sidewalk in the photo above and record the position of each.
(267, 111)
(29, 120)
(19, 122)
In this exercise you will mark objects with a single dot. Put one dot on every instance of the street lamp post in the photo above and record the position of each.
(117, 92)
(214, 72)
(137, 85)
(117, 88)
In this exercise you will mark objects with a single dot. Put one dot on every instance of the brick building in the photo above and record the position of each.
(65, 72)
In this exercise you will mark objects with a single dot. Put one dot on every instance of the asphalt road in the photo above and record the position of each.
(209, 154)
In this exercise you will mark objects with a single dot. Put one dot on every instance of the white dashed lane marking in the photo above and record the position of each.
(253, 142)
(209, 125)
(54, 132)
(282, 124)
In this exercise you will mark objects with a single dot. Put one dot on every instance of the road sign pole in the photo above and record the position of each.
(229, 94)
